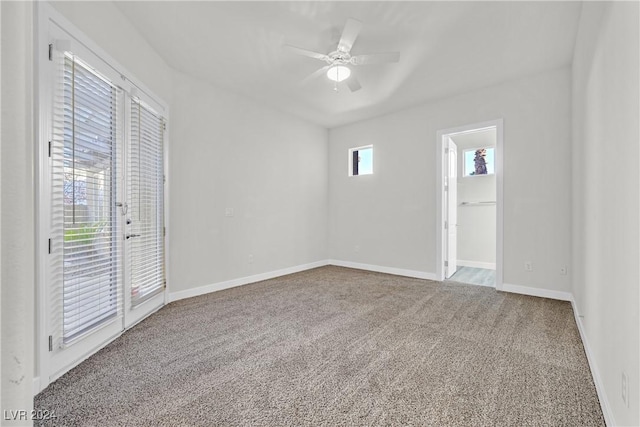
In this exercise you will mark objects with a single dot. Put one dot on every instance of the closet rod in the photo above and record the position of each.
(477, 203)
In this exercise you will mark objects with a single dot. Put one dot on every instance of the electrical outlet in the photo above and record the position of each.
(228, 211)
(563, 271)
(357, 248)
(250, 258)
(528, 266)
(625, 389)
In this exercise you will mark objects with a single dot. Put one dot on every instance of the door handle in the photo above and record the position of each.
(128, 236)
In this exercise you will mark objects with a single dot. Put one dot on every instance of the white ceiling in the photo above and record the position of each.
(446, 48)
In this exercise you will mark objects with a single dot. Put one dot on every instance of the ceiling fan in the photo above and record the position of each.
(340, 61)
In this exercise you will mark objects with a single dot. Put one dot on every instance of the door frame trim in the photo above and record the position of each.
(441, 235)
(452, 223)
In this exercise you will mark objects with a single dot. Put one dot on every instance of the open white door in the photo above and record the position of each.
(451, 197)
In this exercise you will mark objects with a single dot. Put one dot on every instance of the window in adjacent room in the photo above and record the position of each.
(361, 161)
(479, 161)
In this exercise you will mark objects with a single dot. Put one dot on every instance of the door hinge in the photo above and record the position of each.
(50, 51)
(446, 225)
(164, 231)
(49, 246)
(49, 148)
(446, 151)
(164, 179)
(446, 263)
(50, 342)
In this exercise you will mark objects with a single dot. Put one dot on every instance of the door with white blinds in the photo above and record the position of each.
(91, 280)
(85, 280)
(145, 215)
(106, 213)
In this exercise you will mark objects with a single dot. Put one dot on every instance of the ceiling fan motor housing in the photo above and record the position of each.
(340, 58)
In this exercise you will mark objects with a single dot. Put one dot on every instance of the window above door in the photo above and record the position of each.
(478, 161)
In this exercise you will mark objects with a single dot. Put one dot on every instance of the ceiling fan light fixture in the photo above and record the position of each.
(338, 73)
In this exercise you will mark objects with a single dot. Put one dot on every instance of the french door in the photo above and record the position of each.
(144, 213)
(105, 266)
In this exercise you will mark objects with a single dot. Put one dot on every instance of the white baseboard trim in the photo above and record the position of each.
(201, 290)
(381, 269)
(537, 292)
(477, 264)
(595, 373)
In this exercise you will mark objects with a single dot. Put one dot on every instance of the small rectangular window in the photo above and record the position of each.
(479, 161)
(361, 161)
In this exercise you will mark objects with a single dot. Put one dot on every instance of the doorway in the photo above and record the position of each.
(469, 187)
(101, 217)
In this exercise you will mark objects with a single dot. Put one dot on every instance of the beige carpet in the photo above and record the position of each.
(335, 346)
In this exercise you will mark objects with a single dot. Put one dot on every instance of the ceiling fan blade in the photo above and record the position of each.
(349, 34)
(376, 58)
(315, 74)
(353, 83)
(305, 52)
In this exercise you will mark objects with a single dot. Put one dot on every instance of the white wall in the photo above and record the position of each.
(17, 193)
(1, 377)
(105, 25)
(605, 161)
(476, 223)
(391, 214)
(229, 152)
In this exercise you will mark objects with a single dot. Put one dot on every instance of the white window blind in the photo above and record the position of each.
(84, 164)
(146, 188)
